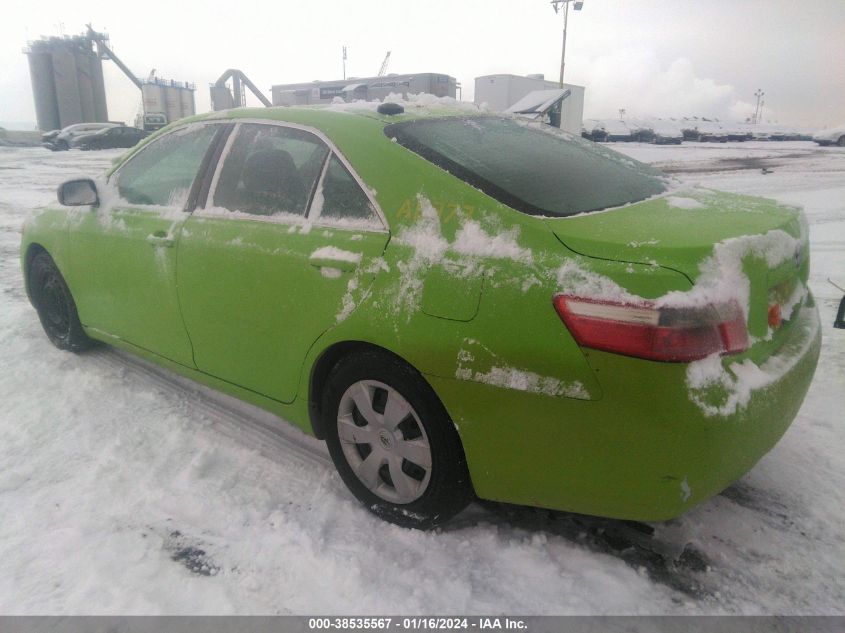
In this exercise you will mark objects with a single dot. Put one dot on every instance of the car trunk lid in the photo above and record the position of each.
(729, 246)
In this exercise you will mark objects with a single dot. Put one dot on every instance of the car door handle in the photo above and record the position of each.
(332, 262)
(160, 238)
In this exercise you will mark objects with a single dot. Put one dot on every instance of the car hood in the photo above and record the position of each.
(677, 230)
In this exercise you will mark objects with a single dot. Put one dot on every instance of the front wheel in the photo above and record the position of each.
(393, 443)
(55, 306)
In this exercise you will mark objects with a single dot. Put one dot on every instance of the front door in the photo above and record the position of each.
(287, 240)
(126, 248)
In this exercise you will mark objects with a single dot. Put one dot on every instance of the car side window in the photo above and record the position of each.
(270, 170)
(163, 172)
(343, 198)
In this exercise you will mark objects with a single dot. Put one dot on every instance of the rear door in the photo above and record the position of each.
(287, 239)
(123, 253)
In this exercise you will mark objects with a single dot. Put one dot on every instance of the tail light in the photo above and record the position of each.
(645, 330)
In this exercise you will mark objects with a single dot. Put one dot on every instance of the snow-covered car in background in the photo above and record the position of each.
(64, 139)
(831, 136)
(485, 307)
(110, 137)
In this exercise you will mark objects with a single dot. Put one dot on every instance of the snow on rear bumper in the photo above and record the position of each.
(645, 451)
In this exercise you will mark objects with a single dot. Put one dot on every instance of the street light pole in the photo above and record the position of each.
(556, 5)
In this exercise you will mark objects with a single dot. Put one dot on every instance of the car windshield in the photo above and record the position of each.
(536, 171)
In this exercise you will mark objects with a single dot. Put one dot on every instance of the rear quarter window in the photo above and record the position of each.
(533, 170)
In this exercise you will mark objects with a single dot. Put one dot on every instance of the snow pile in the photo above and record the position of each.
(723, 391)
(512, 377)
(520, 380)
(337, 254)
(428, 248)
(474, 241)
(421, 103)
(683, 203)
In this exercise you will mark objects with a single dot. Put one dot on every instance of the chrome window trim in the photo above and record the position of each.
(286, 219)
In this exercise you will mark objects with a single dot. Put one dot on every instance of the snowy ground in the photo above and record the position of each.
(124, 490)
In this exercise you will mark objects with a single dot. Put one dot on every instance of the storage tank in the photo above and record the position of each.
(188, 108)
(66, 82)
(101, 110)
(151, 94)
(43, 89)
(85, 82)
(172, 103)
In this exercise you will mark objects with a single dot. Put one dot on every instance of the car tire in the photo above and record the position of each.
(392, 441)
(841, 141)
(55, 306)
(62, 146)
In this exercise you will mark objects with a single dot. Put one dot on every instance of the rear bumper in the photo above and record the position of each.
(646, 451)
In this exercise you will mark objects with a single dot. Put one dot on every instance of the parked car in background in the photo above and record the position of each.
(110, 137)
(592, 130)
(831, 136)
(151, 121)
(48, 137)
(484, 307)
(62, 141)
(665, 132)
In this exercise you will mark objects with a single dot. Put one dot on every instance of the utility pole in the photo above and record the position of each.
(556, 6)
(758, 109)
(344, 63)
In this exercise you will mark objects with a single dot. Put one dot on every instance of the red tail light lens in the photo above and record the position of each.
(655, 333)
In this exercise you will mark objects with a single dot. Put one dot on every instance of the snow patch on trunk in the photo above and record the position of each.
(722, 391)
(683, 203)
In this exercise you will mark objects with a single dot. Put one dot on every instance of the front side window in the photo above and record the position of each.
(162, 173)
(270, 170)
(531, 170)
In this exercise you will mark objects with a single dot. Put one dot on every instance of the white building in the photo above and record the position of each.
(500, 92)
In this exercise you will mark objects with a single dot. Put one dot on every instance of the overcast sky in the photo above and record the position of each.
(651, 57)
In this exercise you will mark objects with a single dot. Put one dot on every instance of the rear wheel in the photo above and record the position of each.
(55, 306)
(393, 443)
(841, 141)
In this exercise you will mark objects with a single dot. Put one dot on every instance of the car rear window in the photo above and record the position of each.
(536, 171)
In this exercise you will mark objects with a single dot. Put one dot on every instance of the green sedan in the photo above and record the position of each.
(462, 305)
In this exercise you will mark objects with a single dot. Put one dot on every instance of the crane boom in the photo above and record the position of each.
(384, 65)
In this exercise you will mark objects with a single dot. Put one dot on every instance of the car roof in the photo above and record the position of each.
(414, 109)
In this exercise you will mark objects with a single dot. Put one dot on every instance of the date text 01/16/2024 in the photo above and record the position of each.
(416, 624)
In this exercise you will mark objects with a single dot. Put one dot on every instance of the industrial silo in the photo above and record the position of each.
(66, 81)
(101, 111)
(151, 94)
(172, 103)
(187, 95)
(43, 89)
(84, 58)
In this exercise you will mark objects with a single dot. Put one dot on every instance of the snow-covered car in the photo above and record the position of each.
(64, 139)
(462, 305)
(110, 137)
(831, 136)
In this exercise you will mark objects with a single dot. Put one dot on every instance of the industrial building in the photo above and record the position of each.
(500, 92)
(67, 82)
(174, 99)
(364, 88)
(68, 86)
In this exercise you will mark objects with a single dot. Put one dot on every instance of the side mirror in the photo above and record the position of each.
(840, 315)
(78, 193)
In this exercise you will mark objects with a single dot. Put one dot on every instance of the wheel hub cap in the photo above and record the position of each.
(384, 441)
